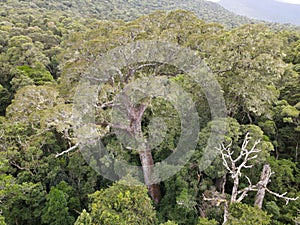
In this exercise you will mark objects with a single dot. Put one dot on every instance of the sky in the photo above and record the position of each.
(287, 1)
(290, 1)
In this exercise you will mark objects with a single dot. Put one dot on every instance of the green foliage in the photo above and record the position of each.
(179, 201)
(2, 220)
(285, 179)
(84, 219)
(122, 204)
(21, 202)
(205, 221)
(45, 50)
(56, 211)
(129, 10)
(5, 98)
(285, 171)
(247, 64)
(273, 209)
(286, 118)
(169, 223)
(38, 74)
(247, 215)
(31, 100)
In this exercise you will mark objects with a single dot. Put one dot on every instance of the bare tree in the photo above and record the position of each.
(235, 170)
(235, 166)
(245, 156)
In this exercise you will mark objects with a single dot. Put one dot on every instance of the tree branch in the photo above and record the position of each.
(230, 164)
(132, 71)
(287, 199)
(19, 167)
(244, 191)
(67, 151)
(2, 134)
(105, 105)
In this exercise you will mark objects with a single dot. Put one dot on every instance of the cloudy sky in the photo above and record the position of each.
(288, 1)
(291, 1)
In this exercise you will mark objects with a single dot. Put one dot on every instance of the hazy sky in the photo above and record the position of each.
(288, 1)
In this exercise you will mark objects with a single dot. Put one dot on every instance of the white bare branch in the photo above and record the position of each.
(235, 166)
(67, 151)
(216, 200)
(235, 169)
(245, 155)
(283, 196)
(226, 154)
(106, 105)
(245, 191)
(2, 134)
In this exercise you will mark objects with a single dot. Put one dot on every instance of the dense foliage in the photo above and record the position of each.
(44, 53)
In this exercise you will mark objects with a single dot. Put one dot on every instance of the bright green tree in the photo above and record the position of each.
(122, 204)
(84, 219)
(2, 220)
(205, 221)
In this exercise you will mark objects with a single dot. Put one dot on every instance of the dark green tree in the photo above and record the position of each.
(56, 211)
(247, 215)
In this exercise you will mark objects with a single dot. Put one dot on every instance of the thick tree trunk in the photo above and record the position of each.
(147, 166)
(145, 154)
(261, 186)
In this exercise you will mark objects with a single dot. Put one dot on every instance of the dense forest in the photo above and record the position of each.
(46, 49)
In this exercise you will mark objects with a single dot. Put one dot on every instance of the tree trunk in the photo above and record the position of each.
(220, 184)
(261, 186)
(145, 154)
(147, 166)
(226, 214)
(235, 189)
(201, 212)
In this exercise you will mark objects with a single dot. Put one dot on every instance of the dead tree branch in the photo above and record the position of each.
(235, 166)
(287, 199)
(217, 199)
(67, 151)
(235, 170)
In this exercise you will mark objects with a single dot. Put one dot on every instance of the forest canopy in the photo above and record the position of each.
(46, 47)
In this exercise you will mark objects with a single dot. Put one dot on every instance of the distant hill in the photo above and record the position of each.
(269, 10)
(130, 9)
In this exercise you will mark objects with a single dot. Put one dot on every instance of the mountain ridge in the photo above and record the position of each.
(268, 10)
(129, 10)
